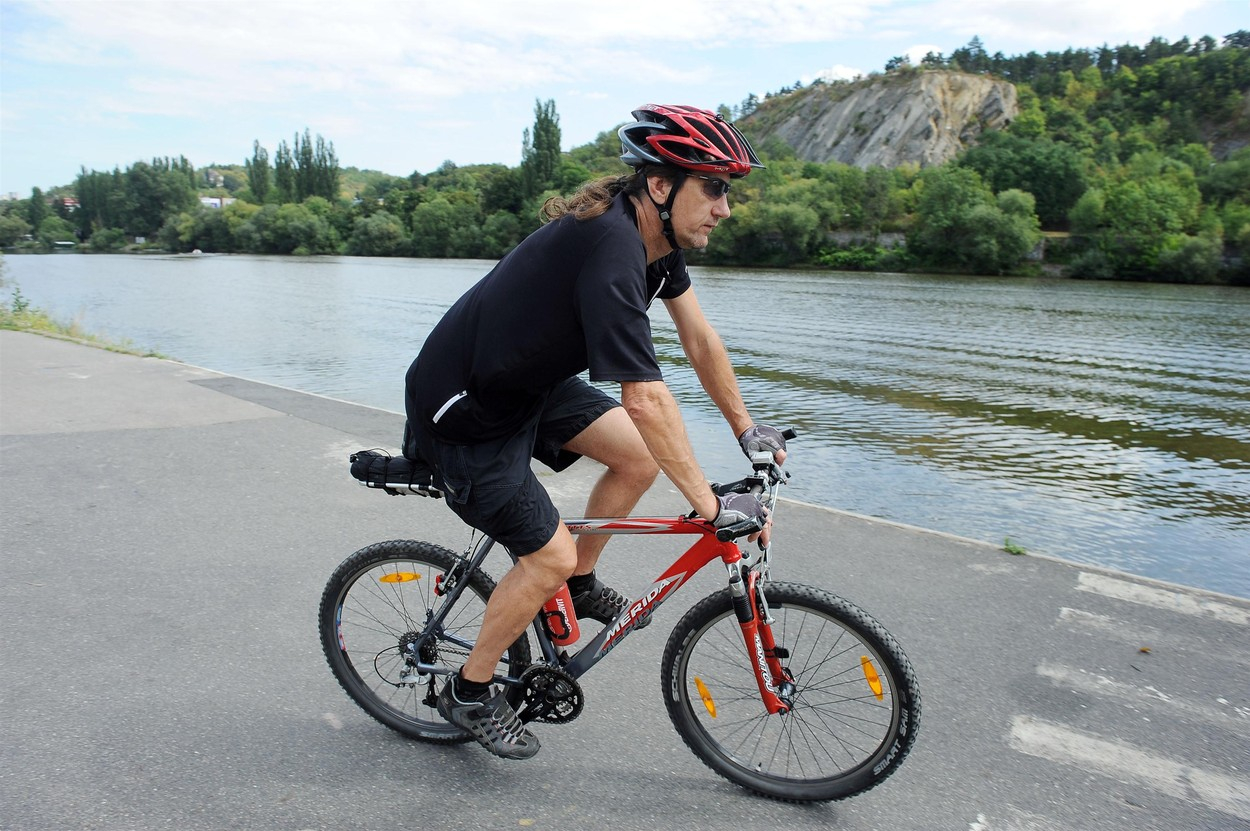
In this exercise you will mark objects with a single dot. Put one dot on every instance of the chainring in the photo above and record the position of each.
(551, 695)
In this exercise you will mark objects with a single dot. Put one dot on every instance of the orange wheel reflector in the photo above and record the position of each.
(706, 696)
(399, 577)
(870, 674)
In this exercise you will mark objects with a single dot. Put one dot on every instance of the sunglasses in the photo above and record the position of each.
(713, 188)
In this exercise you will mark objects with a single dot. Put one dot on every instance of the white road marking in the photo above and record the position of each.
(1171, 601)
(1138, 634)
(1232, 718)
(1130, 765)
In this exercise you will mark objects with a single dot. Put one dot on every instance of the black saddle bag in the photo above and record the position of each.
(395, 475)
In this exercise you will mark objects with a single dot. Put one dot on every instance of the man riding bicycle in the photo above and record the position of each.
(495, 384)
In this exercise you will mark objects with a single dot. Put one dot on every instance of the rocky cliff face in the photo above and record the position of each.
(922, 117)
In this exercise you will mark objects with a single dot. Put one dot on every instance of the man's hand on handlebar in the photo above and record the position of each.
(736, 508)
(761, 437)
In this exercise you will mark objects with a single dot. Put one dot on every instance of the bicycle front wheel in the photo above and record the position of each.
(373, 621)
(855, 704)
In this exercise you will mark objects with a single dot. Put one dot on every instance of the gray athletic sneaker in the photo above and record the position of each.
(603, 604)
(492, 722)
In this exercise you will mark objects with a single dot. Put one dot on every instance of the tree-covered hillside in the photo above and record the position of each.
(1133, 161)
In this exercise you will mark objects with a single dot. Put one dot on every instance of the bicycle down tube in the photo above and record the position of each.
(758, 640)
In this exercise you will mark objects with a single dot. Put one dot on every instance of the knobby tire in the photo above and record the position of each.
(378, 599)
(842, 736)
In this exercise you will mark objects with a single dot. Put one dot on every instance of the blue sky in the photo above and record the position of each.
(403, 86)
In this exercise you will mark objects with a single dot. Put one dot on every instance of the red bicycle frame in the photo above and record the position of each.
(756, 632)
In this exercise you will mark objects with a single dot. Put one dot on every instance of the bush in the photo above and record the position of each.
(1191, 259)
(108, 239)
(960, 224)
(379, 235)
(858, 258)
(1091, 264)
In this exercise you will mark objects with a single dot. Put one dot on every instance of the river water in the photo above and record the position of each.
(1106, 423)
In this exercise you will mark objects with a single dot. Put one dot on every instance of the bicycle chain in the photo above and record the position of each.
(551, 695)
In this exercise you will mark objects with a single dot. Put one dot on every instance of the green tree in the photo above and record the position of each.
(284, 187)
(504, 190)
(257, 169)
(13, 226)
(1053, 172)
(316, 168)
(1086, 216)
(52, 230)
(37, 208)
(154, 192)
(1192, 259)
(501, 232)
(298, 229)
(769, 232)
(379, 235)
(101, 201)
(1030, 122)
(446, 226)
(108, 239)
(1147, 208)
(602, 157)
(540, 149)
(960, 224)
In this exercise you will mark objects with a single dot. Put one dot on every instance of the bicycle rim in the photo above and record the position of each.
(376, 605)
(855, 703)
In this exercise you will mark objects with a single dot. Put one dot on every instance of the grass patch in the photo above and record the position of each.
(19, 315)
(1013, 547)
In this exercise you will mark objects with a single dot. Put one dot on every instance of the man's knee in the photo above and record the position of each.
(554, 562)
(639, 468)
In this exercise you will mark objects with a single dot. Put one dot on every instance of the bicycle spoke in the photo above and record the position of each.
(374, 613)
(844, 714)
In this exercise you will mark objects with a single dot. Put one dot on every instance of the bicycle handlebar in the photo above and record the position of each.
(766, 477)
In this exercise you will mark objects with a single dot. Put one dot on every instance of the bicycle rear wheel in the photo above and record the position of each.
(373, 616)
(855, 701)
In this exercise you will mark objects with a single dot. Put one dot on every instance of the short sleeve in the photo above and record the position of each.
(677, 276)
(612, 304)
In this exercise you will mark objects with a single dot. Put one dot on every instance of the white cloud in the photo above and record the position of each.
(837, 72)
(1053, 24)
(916, 53)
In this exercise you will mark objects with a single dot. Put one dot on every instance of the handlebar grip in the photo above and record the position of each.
(788, 433)
(738, 529)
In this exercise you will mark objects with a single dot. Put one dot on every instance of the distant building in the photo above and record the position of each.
(216, 201)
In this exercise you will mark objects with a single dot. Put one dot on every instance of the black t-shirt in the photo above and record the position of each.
(572, 296)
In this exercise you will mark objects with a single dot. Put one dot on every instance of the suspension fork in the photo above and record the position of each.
(757, 632)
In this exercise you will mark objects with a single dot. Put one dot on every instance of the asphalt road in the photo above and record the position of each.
(166, 531)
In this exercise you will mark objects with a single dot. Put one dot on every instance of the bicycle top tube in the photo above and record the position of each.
(639, 525)
(702, 552)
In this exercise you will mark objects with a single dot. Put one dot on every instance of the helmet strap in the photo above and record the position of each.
(666, 210)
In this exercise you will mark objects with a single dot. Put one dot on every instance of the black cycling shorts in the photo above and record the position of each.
(491, 485)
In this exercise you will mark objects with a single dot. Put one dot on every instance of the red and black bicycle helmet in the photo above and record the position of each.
(686, 137)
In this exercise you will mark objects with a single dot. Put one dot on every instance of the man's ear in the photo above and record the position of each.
(659, 187)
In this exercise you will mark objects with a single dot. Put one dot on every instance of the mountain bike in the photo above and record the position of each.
(784, 689)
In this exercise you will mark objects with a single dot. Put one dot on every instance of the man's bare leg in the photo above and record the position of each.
(517, 599)
(614, 441)
(611, 440)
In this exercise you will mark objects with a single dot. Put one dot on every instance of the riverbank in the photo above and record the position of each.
(887, 257)
(19, 316)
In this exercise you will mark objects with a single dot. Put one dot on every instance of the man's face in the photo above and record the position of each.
(702, 202)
